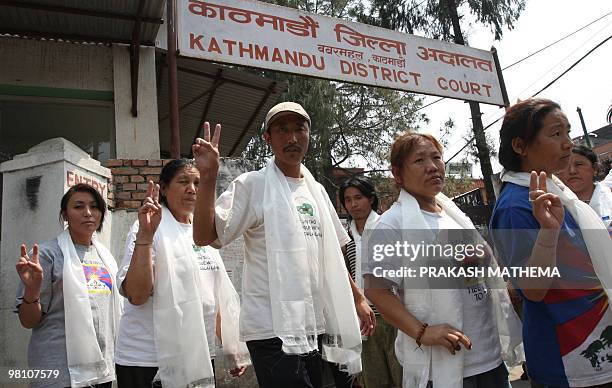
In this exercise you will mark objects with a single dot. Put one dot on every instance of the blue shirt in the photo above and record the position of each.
(564, 335)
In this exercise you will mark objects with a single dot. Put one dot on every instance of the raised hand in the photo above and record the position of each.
(29, 269)
(546, 207)
(149, 214)
(206, 150)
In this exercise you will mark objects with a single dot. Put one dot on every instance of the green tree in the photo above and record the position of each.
(441, 19)
(350, 123)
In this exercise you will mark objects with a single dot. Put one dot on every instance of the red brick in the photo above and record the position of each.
(121, 179)
(127, 162)
(137, 178)
(128, 204)
(128, 186)
(142, 186)
(154, 178)
(155, 162)
(150, 170)
(139, 163)
(124, 171)
(139, 195)
(114, 163)
(124, 195)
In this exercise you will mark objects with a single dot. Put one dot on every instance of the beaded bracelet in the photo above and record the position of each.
(420, 335)
(37, 300)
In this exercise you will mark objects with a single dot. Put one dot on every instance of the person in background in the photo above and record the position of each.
(380, 366)
(68, 296)
(179, 294)
(579, 176)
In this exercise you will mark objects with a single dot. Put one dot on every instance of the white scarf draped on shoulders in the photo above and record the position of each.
(594, 231)
(293, 310)
(437, 306)
(179, 327)
(86, 363)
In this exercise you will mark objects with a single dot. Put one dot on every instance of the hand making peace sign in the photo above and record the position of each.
(150, 213)
(29, 269)
(206, 150)
(546, 207)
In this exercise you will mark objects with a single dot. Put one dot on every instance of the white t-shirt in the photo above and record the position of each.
(136, 339)
(239, 212)
(478, 320)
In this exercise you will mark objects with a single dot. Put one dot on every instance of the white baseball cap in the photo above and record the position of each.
(285, 107)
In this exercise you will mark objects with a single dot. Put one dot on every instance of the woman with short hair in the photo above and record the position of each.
(453, 336)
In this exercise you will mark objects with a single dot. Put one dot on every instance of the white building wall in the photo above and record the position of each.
(32, 216)
(136, 137)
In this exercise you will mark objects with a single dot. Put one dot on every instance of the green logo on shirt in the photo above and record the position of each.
(306, 208)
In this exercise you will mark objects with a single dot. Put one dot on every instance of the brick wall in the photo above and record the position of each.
(130, 179)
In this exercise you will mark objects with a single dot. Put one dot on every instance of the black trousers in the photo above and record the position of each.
(277, 369)
(103, 385)
(139, 376)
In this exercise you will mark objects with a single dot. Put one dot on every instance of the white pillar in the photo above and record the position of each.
(135, 137)
(33, 185)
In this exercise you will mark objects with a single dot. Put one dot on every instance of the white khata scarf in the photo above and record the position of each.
(437, 306)
(86, 363)
(370, 222)
(180, 333)
(183, 358)
(293, 310)
(594, 231)
(601, 202)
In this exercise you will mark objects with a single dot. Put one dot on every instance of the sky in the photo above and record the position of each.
(588, 85)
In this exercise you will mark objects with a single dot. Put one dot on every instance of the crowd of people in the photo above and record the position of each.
(311, 297)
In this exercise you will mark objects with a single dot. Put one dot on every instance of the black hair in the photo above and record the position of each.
(362, 184)
(83, 188)
(587, 153)
(169, 172)
(522, 120)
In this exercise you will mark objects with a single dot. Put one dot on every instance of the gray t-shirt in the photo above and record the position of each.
(47, 347)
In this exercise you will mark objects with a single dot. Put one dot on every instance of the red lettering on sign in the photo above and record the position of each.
(72, 178)
(214, 46)
(195, 41)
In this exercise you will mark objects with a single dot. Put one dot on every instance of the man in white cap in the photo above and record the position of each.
(297, 295)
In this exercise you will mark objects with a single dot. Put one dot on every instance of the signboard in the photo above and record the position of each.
(262, 35)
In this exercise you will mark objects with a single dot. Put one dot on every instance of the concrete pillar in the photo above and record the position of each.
(135, 137)
(33, 185)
